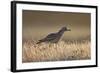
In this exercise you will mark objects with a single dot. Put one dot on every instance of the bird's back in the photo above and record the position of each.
(53, 37)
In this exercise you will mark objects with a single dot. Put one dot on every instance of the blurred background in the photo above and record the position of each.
(38, 24)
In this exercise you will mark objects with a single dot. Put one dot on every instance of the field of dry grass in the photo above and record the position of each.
(70, 50)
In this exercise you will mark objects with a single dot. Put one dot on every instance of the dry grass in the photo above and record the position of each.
(70, 50)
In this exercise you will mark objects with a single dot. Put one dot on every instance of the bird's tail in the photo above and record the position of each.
(39, 42)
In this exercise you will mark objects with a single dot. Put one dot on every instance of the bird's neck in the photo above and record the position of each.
(60, 32)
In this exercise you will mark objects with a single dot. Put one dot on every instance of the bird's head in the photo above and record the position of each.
(65, 29)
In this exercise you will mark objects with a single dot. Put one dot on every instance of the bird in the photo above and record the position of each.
(54, 37)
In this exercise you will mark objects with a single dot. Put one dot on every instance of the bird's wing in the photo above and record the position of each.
(51, 36)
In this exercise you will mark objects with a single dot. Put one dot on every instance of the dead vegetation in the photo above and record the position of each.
(70, 50)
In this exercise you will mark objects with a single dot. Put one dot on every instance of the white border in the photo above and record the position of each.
(37, 65)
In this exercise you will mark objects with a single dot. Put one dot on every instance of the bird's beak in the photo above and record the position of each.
(68, 29)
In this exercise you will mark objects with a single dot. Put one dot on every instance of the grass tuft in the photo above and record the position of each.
(70, 50)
